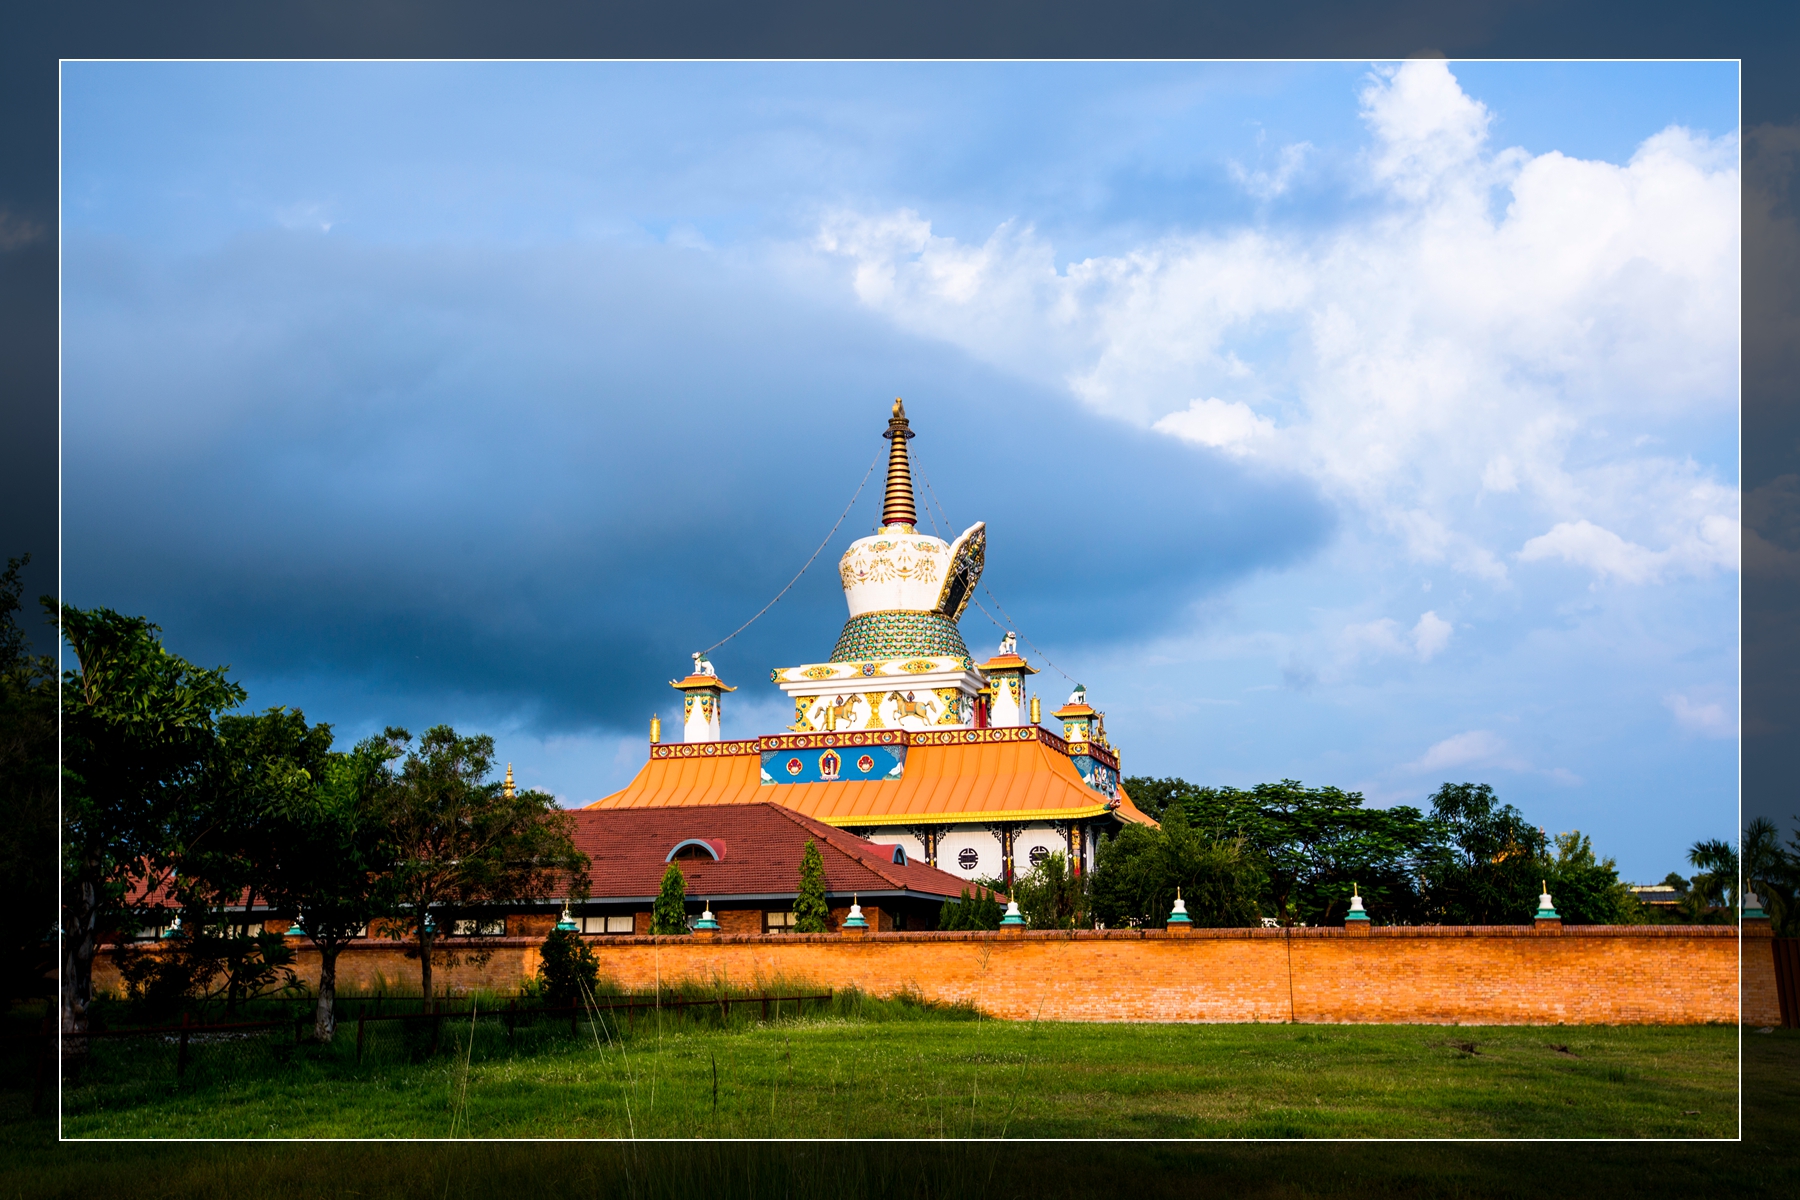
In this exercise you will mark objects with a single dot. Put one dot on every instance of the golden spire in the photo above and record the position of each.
(509, 781)
(897, 507)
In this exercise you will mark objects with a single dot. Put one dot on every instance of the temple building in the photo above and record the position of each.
(899, 735)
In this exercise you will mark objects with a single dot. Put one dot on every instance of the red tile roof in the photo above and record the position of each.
(761, 845)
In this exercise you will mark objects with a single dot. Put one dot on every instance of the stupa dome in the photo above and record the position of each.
(906, 590)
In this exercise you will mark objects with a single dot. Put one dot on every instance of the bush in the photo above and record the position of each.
(569, 973)
(1141, 868)
(1051, 896)
(810, 906)
(668, 916)
(981, 911)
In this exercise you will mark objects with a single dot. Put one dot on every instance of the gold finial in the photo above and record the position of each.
(1037, 710)
(509, 781)
(897, 506)
(655, 729)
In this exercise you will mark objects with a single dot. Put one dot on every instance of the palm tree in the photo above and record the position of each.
(1771, 872)
(1717, 882)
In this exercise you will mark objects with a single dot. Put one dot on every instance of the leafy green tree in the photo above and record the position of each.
(304, 827)
(1141, 867)
(668, 916)
(462, 848)
(139, 727)
(28, 777)
(1773, 874)
(1317, 845)
(1716, 885)
(1051, 896)
(1487, 864)
(811, 908)
(1587, 890)
(982, 910)
(568, 972)
(210, 962)
(1153, 796)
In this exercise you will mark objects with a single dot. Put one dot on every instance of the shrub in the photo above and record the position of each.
(669, 915)
(568, 973)
(980, 911)
(810, 906)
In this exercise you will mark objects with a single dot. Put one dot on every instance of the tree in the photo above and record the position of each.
(811, 909)
(567, 969)
(1716, 886)
(28, 777)
(1317, 845)
(307, 829)
(1773, 874)
(462, 848)
(668, 916)
(1051, 896)
(139, 726)
(980, 911)
(1486, 865)
(1141, 867)
(1588, 891)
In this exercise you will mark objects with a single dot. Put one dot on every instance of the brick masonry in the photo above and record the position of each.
(1426, 975)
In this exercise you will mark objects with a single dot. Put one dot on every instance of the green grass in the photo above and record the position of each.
(1765, 1163)
(897, 1071)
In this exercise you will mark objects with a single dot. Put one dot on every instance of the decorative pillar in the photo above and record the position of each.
(1356, 920)
(1546, 920)
(1005, 674)
(701, 695)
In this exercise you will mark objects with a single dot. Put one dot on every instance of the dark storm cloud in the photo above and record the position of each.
(534, 480)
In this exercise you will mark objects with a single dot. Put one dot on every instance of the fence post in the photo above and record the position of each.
(181, 1054)
(360, 1017)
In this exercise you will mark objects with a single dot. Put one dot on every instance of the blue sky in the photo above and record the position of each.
(1361, 424)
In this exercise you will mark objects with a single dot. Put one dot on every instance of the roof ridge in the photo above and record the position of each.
(807, 822)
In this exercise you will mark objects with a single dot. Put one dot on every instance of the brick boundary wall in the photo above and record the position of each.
(1478, 975)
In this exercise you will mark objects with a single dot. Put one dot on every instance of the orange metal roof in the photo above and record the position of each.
(1013, 780)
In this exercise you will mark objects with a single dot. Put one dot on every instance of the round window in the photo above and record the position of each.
(1038, 854)
(967, 859)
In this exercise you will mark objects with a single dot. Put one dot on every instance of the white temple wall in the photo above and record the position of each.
(1032, 836)
(986, 849)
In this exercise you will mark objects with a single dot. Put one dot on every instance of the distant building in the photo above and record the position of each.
(900, 736)
(743, 861)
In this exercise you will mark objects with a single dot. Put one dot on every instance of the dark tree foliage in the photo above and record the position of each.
(1773, 873)
(1051, 896)
(302, 827)
(568, 972)
(464, 849)
(1317, 845)
(1586, 890)
(28, 775)
(1488, 864)
(982, 910)
(668, 916)
(1153, 796)
(139, 727)
(811, 909)
(1141, 867)
(210, 962)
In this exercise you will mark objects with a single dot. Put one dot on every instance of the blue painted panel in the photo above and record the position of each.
(1097, 775)
(832, 765)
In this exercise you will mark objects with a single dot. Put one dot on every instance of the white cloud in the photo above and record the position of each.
(1430, 635)
(1498, 324)
(1475, 748)
(1701, 717)
(1266, 185)
(1214, 422)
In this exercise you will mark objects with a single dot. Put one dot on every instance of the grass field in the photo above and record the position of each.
(1765, 1163)
(942, 1078)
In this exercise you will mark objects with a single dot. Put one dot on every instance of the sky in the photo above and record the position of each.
(1372, 425)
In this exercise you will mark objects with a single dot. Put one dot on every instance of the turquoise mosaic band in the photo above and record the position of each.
(897, 634)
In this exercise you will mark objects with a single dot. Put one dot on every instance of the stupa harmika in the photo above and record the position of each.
(900, 736)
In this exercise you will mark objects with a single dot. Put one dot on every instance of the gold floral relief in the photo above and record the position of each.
(952, 701)
(801, 724)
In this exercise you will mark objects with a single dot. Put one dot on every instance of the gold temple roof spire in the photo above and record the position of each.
(897, 506)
